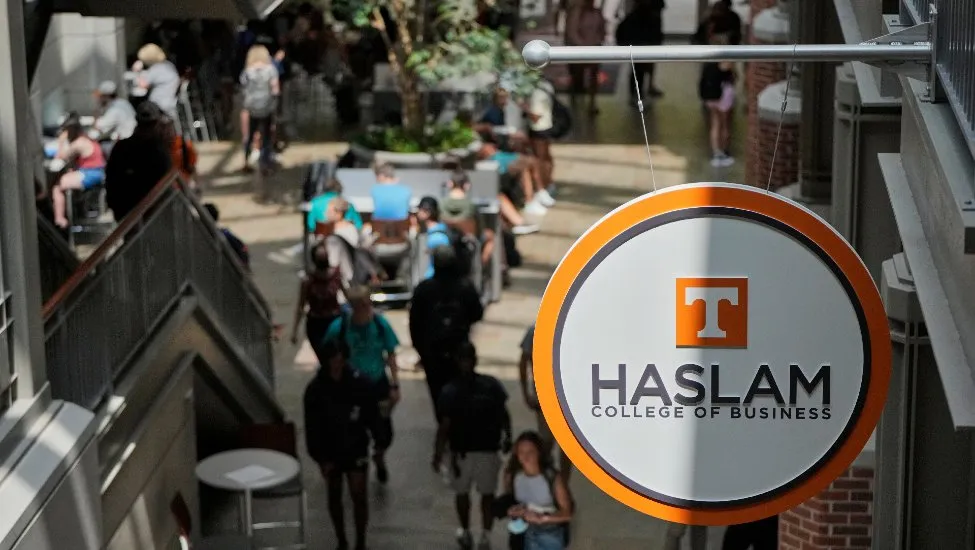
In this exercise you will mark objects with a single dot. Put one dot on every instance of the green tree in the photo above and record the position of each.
(435, 40)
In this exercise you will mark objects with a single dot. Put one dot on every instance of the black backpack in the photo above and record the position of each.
(365, 266)
(450, 325)
(464, 248)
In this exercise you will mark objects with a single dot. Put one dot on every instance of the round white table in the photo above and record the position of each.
(245, 471)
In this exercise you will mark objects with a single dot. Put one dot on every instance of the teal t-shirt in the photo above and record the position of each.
(368, 344)
(319, 206)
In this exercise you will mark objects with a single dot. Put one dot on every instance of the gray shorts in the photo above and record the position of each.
(479, 471)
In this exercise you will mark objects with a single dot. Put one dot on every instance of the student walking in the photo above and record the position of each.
(339, 408)
(442, 312)
(542, 506)
(372, 352)
(475, 421)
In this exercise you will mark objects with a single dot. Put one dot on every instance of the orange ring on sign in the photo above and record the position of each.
(742, 198)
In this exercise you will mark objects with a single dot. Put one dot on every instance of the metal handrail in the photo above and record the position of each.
(116, 237)
(109, 310)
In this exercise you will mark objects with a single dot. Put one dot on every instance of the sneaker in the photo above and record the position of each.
(524, 229)
(717, 160)
(464, 539)
(727, 160)
(535, 208)
(254, 157)
(544, 198)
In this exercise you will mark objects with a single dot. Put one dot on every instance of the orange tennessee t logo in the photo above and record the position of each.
(712, 312)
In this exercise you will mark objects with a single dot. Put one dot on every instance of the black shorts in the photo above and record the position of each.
(353, 462)
(540, 134)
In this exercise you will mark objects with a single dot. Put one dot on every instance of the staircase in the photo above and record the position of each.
(161, 340)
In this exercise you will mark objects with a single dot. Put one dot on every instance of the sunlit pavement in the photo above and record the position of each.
(600, 168)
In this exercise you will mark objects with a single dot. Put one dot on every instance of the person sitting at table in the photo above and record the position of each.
(117, 119)
(86, 164)
(493, 127)
(318, 207)
(527, 171)
(457, 206)
(390, 198)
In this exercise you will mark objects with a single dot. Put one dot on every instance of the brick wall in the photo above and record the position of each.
(761, 144)
(841, 517)
(758, 76)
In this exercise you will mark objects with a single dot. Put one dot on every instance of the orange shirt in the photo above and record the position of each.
(187, 166)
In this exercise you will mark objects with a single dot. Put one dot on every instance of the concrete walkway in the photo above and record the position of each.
(415, 510)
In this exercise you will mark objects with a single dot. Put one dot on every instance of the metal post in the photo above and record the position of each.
(18, 223)
(539, 53)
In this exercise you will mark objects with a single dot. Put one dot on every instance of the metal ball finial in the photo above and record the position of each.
(536, 53)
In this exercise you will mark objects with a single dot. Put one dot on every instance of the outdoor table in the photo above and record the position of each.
(245, 471)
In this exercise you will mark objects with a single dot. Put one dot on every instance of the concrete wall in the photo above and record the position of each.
(79, 52)
(71, 513)
(142, 484)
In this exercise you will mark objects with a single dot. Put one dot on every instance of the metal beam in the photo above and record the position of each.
(539, 53)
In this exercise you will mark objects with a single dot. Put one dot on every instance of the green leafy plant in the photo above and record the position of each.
(428, 43)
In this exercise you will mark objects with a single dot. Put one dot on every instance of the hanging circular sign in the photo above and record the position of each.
(712, 354)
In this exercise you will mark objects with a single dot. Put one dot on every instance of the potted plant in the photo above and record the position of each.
(428, 47)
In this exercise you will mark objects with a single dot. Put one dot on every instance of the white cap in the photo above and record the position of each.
(107, 88)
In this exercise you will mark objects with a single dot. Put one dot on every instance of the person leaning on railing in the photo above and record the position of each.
(137, 163)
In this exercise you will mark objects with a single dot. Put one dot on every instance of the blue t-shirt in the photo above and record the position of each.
(436, 236)
(391, 201)
(368, 344)
(504, 160)
(319, 207)
(494, 116)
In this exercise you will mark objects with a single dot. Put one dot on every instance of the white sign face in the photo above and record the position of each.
(710, 354)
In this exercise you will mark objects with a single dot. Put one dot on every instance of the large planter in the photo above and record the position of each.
(366, 157)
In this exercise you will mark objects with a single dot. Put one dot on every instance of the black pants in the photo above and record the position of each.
(264, 125)
(757, 535)
(382, 428)
(440, 369)
(315, 328)
(642, 71)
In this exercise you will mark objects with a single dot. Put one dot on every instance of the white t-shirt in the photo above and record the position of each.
(540, 103)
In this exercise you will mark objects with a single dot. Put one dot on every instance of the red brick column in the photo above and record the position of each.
(758, 76)
(760, 150)
(841, 517)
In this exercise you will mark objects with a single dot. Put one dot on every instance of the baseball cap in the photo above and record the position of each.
(107, 88)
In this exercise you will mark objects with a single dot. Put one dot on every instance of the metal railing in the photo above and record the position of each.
(167, 248)
(954, 34)
(57, 261)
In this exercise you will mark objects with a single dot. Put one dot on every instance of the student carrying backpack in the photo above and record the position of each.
(536, 499)
(442, 312)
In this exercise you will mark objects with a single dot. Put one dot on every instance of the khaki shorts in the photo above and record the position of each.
(477, 470)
